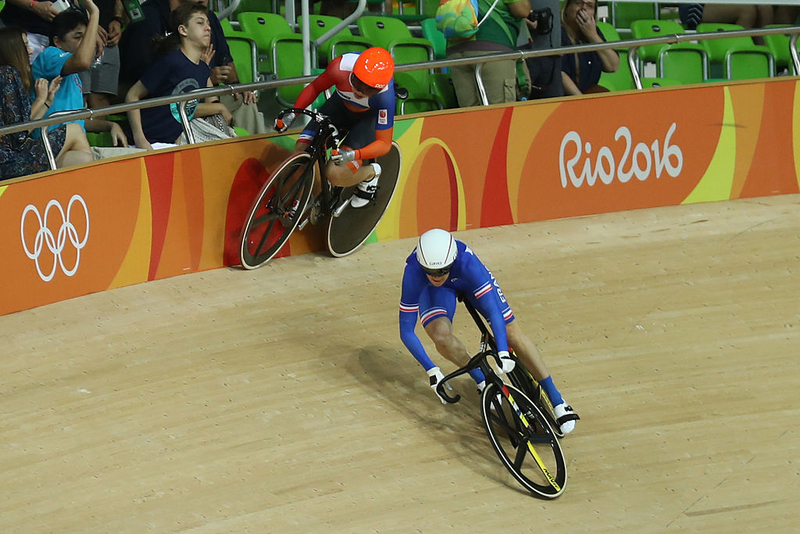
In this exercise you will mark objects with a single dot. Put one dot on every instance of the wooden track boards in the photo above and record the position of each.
(282, 400)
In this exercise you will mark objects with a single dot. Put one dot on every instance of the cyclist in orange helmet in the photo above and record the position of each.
(363, 105)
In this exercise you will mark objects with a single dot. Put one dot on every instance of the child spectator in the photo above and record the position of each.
(177, 72)
(73, 50)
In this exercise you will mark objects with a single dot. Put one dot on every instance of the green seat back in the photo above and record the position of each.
(609, 31)
(419, 100)
(435, 36)
(344, 41)
(244, 54)
(625, 13)
(265, 29)
(684, 62)
(288, 63)
(747, 62)
(622, 79)
(642, 29)
(381, 31)
(717, 48)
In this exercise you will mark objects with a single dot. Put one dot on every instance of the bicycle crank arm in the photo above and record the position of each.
(340, 208)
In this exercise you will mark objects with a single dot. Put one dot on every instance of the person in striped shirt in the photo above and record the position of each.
(437, 271)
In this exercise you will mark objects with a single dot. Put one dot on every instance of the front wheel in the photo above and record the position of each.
(522, 379)
(524, 441)
(277, 210)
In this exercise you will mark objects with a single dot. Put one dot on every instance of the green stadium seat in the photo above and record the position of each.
(419, 100)
(717, 48)
(623, 14)
(344, 41)
(747, 62)
(648, 83)
(642, 29)
(431, 33)
(685, 62)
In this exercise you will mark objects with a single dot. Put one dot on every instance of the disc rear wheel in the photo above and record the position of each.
(277, 210)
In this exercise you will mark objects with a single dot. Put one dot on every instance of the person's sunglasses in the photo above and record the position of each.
(437, 272)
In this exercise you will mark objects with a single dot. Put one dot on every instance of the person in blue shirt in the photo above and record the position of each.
(436, 272)
(73, 50)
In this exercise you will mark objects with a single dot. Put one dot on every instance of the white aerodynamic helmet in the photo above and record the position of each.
(436, 251)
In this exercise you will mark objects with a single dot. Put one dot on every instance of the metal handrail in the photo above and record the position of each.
(88, 114)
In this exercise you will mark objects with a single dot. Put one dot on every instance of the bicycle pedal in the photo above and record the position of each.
(340, 208)
(302, 224)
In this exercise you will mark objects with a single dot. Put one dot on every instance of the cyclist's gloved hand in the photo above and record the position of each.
(435, 375)
(281, 125)
(342, 156)
(506, 362)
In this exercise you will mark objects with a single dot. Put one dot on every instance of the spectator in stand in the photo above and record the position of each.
(101, 81)
(138, 55)
(580, 73)
(180, 70)
(20, 153)
(74, 44)
(497, 33)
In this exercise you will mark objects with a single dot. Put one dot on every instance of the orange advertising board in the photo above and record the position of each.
(135, 219)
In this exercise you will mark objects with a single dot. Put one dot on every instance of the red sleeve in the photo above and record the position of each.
(320, 84)
(379, 147)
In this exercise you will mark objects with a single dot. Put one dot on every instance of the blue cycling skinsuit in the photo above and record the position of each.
(469, 277)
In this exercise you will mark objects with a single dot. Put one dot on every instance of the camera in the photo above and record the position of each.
(543, 19)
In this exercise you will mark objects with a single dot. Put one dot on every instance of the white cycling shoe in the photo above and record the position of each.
(565, 417)
(365, 191)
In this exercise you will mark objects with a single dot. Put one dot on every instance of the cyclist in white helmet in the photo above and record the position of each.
(440, 268)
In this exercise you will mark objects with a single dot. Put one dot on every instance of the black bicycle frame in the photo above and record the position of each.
(327, 137)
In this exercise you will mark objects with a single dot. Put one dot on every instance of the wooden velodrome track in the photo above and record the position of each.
(281, 400)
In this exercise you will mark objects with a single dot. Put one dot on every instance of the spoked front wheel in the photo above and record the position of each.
(524, 441)
(277, 210)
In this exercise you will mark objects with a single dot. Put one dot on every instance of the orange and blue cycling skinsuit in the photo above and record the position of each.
(369, 121)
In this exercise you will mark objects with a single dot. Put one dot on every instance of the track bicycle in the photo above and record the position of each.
(520, 377)
(284, 202)
(518, 430)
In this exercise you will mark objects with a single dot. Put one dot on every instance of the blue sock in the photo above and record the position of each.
(552, 391)
(477, 376)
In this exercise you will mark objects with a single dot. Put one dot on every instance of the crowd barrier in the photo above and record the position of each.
(139, 218)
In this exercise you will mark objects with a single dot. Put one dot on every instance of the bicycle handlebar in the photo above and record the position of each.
(473, 363)
(323, 121)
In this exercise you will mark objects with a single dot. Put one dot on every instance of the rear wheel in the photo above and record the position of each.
(524, 441)
(353, 226)
(277, 210)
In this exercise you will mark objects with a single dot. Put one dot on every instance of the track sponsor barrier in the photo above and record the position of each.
(134, 219)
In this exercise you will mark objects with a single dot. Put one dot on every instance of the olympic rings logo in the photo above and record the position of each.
(55, 243)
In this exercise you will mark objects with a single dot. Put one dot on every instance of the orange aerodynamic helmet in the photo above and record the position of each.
(374, 67)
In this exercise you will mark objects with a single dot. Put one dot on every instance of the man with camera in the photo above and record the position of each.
(498, 33)
(543, 74)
